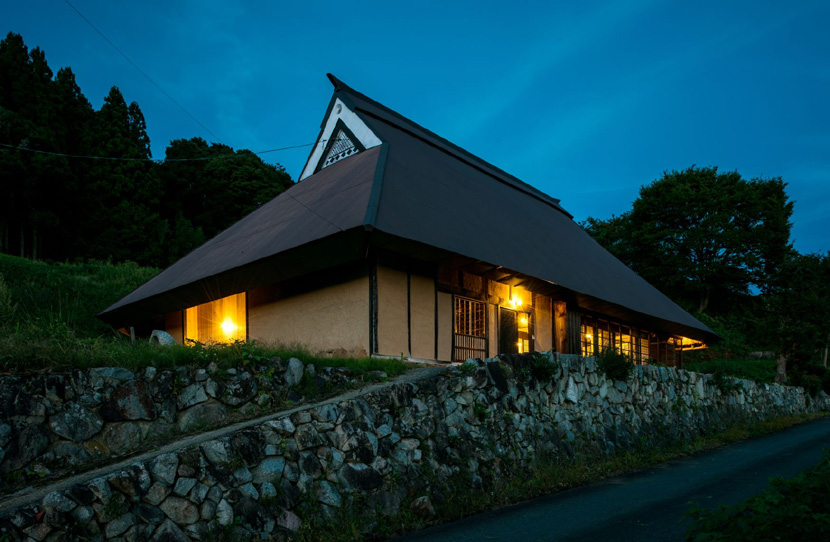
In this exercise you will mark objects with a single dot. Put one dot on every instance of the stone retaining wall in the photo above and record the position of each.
(53, 423)
(405, 445)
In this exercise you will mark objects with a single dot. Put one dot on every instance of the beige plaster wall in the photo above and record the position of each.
(445, 326)
(393, 333)
(543, 308)
(422, 316)
(334, 319)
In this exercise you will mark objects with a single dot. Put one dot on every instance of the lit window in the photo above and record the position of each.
(220, 321)
(587, 334)
(644, 345)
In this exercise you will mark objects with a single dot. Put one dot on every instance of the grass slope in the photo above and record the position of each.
(47, 322)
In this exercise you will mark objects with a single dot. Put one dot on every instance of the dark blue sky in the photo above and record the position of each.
(585, 100)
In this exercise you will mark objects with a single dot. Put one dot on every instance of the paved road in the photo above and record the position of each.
(647, 505)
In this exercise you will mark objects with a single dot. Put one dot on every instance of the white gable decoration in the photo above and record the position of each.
(343, 146)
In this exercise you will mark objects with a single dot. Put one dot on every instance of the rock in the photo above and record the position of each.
(267, 490)
(110, 374)
(192, 395)
(224, 513)
(163, 468)
(357, 476)
(157, 493)
(75, 423)
(218, 452)
(70, 453)
(199, 493)
(422, 506)
(294, 372)
(169, 532)
(571, 393)
(129, 401)
(122, 437)
(289, 521)
(239, 390)
(83, 514)
(269, 470)
(119, 525)
(183, 486)
(24, 447)
(248, 490)
(149, 514)
(57, 501)
(327, 494)
(181, 511)
(202, 416)
(307, 437)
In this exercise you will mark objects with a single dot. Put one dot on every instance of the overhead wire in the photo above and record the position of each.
(156, 160)
(142, 72)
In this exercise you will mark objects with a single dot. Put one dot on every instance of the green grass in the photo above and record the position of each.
(47, 322)
(759, 370)
(794, 509)
(550, 476)
(65, 297)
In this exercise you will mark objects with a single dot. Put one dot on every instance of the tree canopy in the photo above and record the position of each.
(60, 208)
(701, 236)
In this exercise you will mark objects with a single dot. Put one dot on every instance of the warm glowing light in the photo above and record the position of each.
(588, 336)
(524, 320)
(515, 301)
(228, 327)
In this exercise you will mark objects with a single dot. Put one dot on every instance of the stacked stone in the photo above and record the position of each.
(404, 445)
(50, 424)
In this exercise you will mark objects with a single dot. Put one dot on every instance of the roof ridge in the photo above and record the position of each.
(460, 152)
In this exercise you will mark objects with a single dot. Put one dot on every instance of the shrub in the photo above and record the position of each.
(543, 368)
(794, 509)
(615, 365)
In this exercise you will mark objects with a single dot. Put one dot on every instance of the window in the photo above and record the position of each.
(587, 336)
(470, 334)
(220, 321)
(644, 346)
(625, 342)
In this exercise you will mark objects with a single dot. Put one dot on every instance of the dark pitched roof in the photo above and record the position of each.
(420, 187)
(335, 201)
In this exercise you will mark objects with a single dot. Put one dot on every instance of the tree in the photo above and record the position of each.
(797, 311)
(702, 237)
(221, 189)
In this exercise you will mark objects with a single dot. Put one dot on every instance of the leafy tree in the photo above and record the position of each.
(797, 312)
(223, 187)
(702, 237)
(64, 208)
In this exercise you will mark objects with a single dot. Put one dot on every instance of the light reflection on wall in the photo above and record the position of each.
(220, 321)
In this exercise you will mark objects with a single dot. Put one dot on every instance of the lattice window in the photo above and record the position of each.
(470, 337)
(341, 148)
(469, 317)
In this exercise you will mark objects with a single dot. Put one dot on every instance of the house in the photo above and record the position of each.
(396, 242)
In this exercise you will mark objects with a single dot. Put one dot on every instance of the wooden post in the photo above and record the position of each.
(560, 326)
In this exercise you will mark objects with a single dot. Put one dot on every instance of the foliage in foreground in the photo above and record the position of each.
(794, 509)
(615, 365)
(550, 476)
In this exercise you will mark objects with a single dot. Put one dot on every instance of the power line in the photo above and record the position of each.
(134, 65)
(161, 161)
